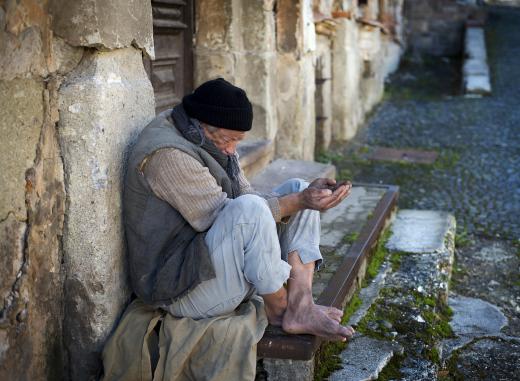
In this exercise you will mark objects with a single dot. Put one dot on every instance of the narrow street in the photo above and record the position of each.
(476, 177)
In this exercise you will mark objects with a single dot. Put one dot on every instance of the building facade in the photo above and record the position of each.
(80, 79)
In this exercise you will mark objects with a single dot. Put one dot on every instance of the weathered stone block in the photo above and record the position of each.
(346, 66)
(32, 309)
(257, 27)
(22, 56)
(365, 358)
(421, 231)
(21, 118)
(12, 234)
(104, 104)
(296, 114)
(213, 23)
(289, 370)
(210, 65)
(323, 96)
(104, 24)
(256, 74)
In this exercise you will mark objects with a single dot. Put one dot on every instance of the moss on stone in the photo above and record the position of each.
(351, 237)
(392, 370)
(433, 355)
(327, 358)
(462, 239)
(377, 258)
(395, 260)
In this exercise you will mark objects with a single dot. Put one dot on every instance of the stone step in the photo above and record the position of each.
(282, 169)
(414, 284)
(255, 155)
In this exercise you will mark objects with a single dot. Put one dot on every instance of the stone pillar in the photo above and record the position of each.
(346, 66)
(296, 45)
(323, 98)
(103, 104)
(236, 40)
(372, 79)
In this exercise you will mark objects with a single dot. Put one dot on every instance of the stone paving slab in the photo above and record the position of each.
(490, 359)
(420, 231)
(472, 318)
(365, 358)
(350, 215)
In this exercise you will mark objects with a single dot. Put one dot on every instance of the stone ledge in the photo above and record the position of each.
(281, 169)
(255, 155)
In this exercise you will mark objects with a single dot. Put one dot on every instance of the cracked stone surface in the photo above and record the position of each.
(472, 318)
(490, 359)
(364, 359)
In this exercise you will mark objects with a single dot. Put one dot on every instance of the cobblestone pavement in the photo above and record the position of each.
(476, 177)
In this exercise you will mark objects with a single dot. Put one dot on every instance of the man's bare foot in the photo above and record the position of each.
(314, 320)
(332, 312)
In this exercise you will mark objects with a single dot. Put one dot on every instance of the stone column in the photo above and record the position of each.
(346, 66)
(103, 105)
(296, 45)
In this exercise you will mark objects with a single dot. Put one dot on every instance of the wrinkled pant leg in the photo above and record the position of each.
(302, 232)
(245, 252)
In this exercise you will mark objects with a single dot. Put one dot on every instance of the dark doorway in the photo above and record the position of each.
(171, 73)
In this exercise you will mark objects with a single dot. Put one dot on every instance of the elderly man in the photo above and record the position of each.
(201, 240)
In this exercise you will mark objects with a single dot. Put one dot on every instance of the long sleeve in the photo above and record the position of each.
(188, 186)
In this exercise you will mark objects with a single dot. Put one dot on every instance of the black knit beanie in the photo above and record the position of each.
(220, 104)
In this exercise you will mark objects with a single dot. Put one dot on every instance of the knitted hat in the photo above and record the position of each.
(220, 104)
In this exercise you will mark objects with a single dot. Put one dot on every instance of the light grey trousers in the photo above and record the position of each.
(249, 253)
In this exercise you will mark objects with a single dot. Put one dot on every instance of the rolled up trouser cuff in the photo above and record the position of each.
(308, 253)
(274, 279)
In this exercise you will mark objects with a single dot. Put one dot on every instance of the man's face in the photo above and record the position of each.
(225, 140)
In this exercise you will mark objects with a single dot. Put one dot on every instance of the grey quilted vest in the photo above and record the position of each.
(167, 257)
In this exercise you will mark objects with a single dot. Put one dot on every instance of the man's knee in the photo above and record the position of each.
(250, 207)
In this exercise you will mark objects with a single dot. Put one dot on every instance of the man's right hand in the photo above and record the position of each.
(320, 196)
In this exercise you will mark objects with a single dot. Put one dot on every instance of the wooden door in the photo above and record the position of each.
(171, 73)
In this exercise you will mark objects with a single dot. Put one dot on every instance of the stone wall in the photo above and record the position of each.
(236, 40)
(73, 94)
(436, 27)
(311, 68)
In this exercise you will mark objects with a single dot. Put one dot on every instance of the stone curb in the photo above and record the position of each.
(475, 69)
